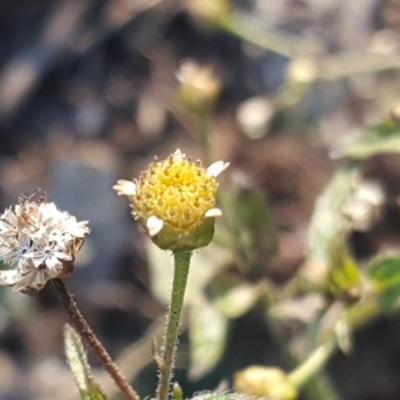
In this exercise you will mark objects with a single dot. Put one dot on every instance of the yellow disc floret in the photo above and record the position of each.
(177, 191)
(175, 200)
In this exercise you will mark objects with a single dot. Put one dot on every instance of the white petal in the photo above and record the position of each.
(9, 277)
(154, 225)
(48, 209)
(53, 264)
(178, 155)
(216, 168)
(24, 281)
(40, 279)
(128, 188)
(213, 212)
(5, 226)
(25, 240)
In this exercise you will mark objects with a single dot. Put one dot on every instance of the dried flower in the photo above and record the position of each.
(175, 200)
(363, 205)
(40, 241)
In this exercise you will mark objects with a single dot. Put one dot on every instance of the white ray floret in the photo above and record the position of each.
(217, 168)
(127, 188)
(154, 225)
(214, 212)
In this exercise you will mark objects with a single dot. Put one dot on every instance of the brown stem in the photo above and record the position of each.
(86, 332)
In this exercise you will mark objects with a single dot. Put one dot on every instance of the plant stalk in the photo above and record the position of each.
(313, 364)
(166, 364)
(359, 314)
(80, 324)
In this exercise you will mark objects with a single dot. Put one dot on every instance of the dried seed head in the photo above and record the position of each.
(40, 241)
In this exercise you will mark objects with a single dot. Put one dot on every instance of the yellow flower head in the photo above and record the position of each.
(175, 200)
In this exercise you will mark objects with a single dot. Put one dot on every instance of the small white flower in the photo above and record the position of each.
(48, 254)
(40, 241)
(18, 249)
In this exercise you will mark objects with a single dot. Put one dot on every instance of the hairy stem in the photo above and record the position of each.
(80, 324)
(166, 364)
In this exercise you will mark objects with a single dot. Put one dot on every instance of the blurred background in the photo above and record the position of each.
(92, 90)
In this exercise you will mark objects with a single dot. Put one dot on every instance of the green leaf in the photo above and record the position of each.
(251, 226)
(385, 271)
(208, 329)
(77, 360)
(389, 300)
(233, 295)
(382, 138)
(326, 225)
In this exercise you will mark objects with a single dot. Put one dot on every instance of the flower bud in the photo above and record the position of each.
(269, 382)
(199, 88)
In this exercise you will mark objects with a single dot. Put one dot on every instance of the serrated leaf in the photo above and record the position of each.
(382, 138)
(77, 361)
(208, 329)
(233, 295)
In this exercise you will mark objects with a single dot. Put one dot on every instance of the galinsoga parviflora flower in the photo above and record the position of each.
(40, 241)
(175, 200)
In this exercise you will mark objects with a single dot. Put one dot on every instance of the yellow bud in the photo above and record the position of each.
(302, 71)
(270, 382)
(199, 88)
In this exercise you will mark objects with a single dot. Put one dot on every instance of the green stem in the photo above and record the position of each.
(357, 315)
(166, 364)
(313, 364)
